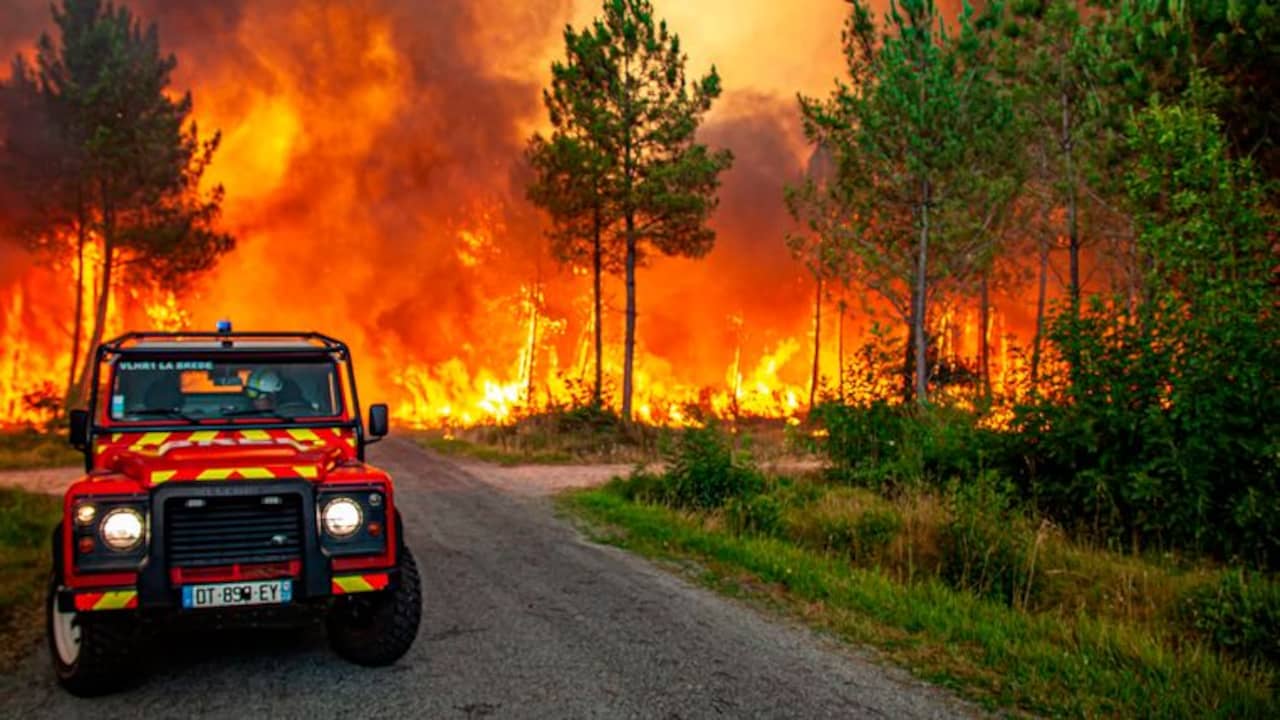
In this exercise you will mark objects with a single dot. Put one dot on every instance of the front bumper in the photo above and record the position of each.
(127, 598)
(159, 586)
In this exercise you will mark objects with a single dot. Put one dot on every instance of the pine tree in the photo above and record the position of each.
(822, 215)
(919, 113)
(130, 163)
(571, 173)
(1055, 62)
(639, 115)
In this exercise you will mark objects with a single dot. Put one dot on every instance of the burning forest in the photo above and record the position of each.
(937, 320)
(371, 155)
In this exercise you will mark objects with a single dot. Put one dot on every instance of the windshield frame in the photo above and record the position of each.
(347, 412)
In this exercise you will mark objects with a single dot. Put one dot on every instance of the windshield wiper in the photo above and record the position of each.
(249, 412)
(165, 412)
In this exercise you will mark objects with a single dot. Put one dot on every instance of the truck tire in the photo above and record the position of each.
(376, 629)
(92, 653)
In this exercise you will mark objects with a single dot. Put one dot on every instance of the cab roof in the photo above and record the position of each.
(224, 342)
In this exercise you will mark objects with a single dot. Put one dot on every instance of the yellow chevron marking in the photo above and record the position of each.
(115, 600)
(115, 437)
(353, 584)
(255, 435)
(151, 439)
(214, 474)
(160, 476)
(256, 473)
(351, 442)
(306, 471)
(303, 435)
(201, 436)
(102, 449)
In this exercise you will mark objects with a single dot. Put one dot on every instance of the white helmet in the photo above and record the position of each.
(263, 381)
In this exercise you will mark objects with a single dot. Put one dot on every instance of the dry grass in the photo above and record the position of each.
(1065, 577)
(26, 521)
(917, 550)
(585, 435)
(27, 449)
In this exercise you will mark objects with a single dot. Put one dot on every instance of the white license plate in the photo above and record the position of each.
(260, 592)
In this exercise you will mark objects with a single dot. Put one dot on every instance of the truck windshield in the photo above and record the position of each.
(203, 390)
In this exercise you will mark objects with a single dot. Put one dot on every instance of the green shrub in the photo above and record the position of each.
(873, 531)
(865, 445)
(793, 493)
(760, 514)
(1164, 432)
(884, 446)
(1240, 614)
(704, 471)
(987, 545)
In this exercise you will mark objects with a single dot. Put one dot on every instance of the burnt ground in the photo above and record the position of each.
(523, 618)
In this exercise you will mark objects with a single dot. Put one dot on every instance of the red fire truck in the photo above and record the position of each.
(225, 481)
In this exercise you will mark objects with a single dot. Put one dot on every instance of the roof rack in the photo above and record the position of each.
(227, 340)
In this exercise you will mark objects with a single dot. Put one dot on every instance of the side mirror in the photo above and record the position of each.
(379, 421)
(79, 437)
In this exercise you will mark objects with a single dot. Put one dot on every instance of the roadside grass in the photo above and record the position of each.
(26, 521)
(28, 449)
(1063, 661)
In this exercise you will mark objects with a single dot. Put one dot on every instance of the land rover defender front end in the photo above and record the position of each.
(225, 474)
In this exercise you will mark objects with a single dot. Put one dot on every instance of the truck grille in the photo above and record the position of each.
(228, 530)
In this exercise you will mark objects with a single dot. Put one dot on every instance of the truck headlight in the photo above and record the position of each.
(342, 517)
(122, 529)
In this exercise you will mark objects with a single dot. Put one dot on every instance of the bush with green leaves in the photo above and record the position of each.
(1240, 614)
(864, 445)
(704, 470)
(887, 446)
(988, 546)
(1168, 434)
(757, 514)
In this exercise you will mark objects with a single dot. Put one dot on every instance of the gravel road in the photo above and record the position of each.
(523, 618)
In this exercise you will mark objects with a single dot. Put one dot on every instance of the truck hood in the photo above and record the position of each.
(153, 447)
(192, 463)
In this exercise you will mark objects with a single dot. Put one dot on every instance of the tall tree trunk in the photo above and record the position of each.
(1073, 201)
(103, 299)
(984, 345)
(908, 372)
(737, 373)
(629, 350)
(922, 265)
(1038, 341)
(629, 213)
(531, 364)
(596, 263)
(99, 318)
(817, 341)
(77, 326)
(840, 351)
